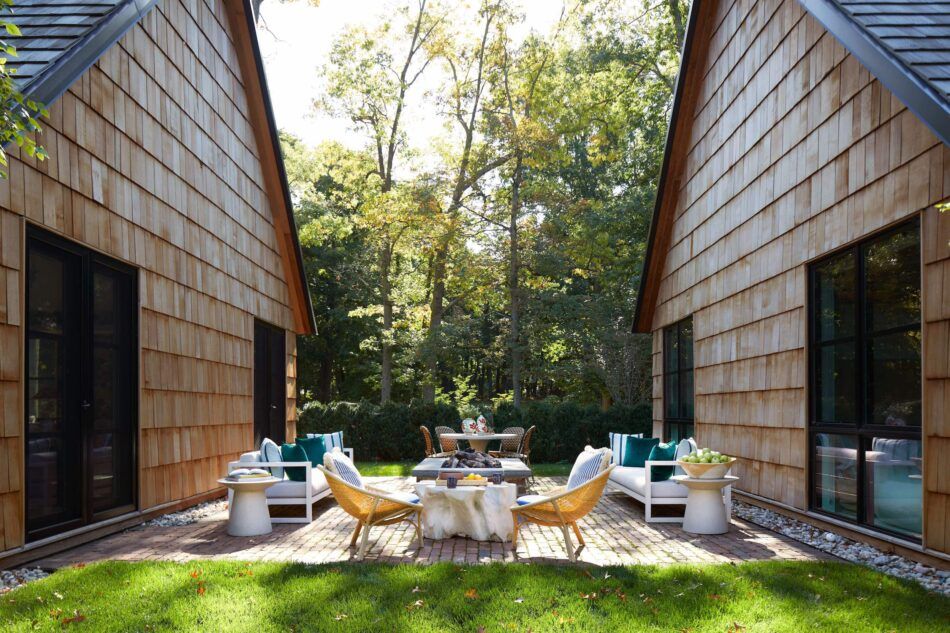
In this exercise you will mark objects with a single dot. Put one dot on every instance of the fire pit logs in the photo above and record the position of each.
(469, 458)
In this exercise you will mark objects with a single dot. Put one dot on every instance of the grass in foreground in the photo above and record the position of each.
(234, 596)
(404, 469)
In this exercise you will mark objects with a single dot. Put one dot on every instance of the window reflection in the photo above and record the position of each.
(894, 492)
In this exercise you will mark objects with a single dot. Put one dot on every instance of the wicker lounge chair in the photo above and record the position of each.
(371, 507)
(562, 508)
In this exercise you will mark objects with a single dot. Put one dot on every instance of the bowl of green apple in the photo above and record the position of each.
(706, 464)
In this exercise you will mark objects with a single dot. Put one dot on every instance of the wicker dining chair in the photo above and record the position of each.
(447, 445)
(525, 449)
(562, 509)
(372, 507)
(510, 447)
(430, 450)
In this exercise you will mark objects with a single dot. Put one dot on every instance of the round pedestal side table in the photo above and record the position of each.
(705, 508)
(247, 511)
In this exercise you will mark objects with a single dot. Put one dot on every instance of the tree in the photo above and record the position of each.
(370, 86)
(20, 114)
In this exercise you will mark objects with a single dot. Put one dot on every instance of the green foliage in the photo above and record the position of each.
(19, 114)
(773, 596)
(391, 432)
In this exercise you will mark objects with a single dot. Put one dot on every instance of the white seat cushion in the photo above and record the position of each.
(287, 489)
(408, 497)
(634, 478)
(526, 499)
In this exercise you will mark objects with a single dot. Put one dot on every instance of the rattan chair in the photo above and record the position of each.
(563, 509)
(371, 507)
(447, 445)
(510, 447)
(525, 449)
(430, 450)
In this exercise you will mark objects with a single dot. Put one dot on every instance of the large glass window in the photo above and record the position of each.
(678, 380)
(865, 376)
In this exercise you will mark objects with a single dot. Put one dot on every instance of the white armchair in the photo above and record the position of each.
(287, 492)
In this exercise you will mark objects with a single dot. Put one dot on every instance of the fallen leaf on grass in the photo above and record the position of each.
(340, 616)
(471, 594)
(589, 596)
(201, 588)
(735, 627)
(418, 604)
(76, 619)
(417, 589)
(519, 600)
(55, 613)
(58, 595)
(714, 596)
(79, 565)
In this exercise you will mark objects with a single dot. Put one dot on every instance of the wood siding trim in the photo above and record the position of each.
(689, 82)
(264, 127)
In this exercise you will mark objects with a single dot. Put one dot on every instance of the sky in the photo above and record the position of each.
(295, 40)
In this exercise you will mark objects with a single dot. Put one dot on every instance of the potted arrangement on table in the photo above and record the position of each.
(706, 464)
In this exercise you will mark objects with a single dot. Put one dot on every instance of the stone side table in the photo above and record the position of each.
(247, 513)
(482, 513)
(705, 508)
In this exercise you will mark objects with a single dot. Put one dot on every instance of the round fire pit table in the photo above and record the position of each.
(705, 508)
(247, 512)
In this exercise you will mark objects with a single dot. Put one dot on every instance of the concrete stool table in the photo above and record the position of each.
(247, 513)
(705, 508)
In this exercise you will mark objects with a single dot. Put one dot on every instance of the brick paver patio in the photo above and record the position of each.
(615, 531)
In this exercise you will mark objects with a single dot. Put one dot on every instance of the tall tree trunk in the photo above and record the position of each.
(325, 379)
(386, 371)
(514, 292)
(436, 307)
(678, 27)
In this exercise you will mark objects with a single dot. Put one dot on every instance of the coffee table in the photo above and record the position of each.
(705, 508)
(482, 513)
(247, 513)
(512, 470)
(479, 441)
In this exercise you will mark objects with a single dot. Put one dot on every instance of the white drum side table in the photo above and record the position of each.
(705, 508)
(247, 513)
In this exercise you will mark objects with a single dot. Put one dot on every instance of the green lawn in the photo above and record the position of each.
(404, 469)
(233, 596)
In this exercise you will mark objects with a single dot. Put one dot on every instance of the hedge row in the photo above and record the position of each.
(391, 432)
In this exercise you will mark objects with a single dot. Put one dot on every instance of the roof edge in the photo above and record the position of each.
(688, 41)
(310, 327)
(49, 85)
(929, 106)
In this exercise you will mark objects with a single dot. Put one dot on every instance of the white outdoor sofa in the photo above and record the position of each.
(632, 481)
(287, 492)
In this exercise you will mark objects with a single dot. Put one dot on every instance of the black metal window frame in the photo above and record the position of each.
(861, 431)
(681, 422)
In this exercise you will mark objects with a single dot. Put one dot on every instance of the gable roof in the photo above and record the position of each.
(905, 44)
(61, 39)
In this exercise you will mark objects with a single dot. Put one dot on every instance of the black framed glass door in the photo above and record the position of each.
(80, 388)
(270, 383)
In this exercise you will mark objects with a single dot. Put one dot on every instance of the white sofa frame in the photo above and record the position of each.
(307, 500)
(649, 501)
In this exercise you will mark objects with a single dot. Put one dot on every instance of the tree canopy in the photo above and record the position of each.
(501, 260)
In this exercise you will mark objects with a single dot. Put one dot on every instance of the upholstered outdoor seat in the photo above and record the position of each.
(635, 479)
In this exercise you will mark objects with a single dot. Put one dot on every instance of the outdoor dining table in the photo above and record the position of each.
(479, 441)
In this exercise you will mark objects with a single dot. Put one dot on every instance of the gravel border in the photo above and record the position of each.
(12, 579)
(188, 515)
(842, 547)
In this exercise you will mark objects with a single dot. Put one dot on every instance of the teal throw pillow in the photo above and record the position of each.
(638, 449)
(315, 447)
(294, 453)
(662, 453)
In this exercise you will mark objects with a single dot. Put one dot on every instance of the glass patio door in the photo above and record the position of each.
(81, 382)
